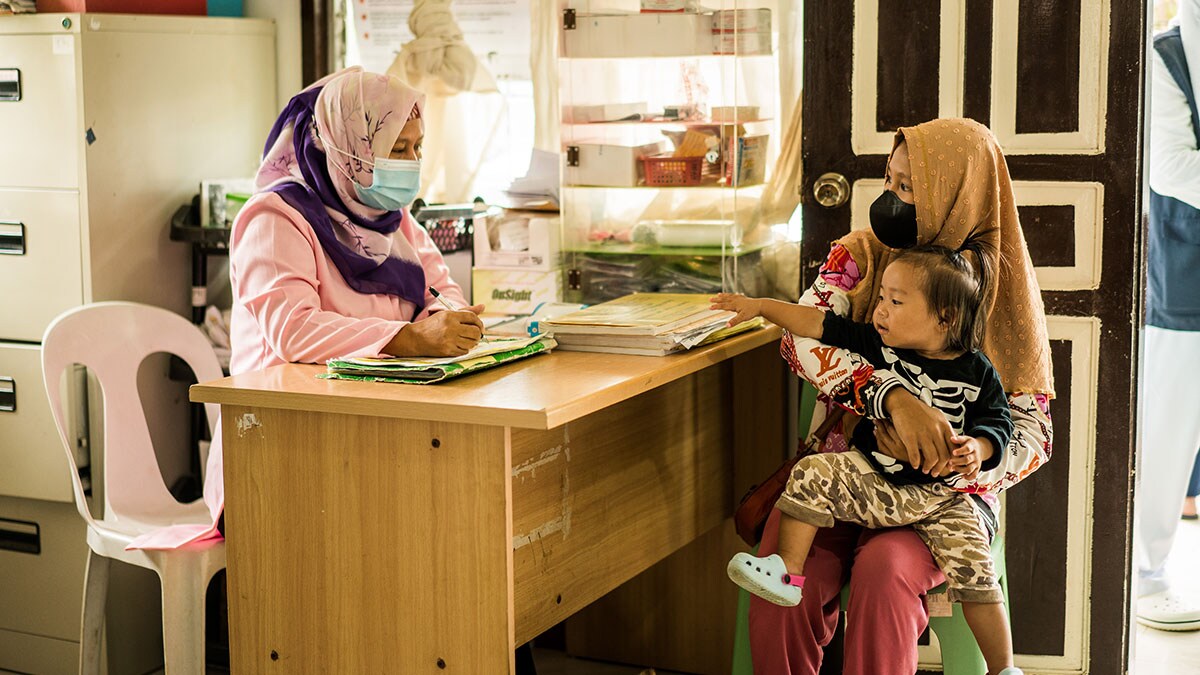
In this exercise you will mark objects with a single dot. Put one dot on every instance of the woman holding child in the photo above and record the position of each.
(947, 186)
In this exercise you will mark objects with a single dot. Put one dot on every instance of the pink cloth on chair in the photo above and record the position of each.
(291, 305)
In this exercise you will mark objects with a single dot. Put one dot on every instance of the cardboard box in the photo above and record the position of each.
(522, 239)
(639, 35)
(515, 291)
(737, 20)
(607, 165)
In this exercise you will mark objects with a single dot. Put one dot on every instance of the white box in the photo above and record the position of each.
(651, 6)
(522, 239)
(607, 165)
(639, 35)
(604, 112)
(515, 291)
(742, 44)
(729, 114)
(752, 20)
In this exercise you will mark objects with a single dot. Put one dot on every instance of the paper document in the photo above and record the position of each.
(408, 370)
(493, 345)
(642, 314)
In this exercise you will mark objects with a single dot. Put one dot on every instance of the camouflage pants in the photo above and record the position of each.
(844, 486)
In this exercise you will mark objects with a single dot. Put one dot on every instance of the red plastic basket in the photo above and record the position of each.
(665, 170)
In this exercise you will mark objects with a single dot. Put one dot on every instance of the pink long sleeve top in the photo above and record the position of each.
(291, 305)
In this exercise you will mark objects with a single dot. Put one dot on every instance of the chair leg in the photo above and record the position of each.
(183, 591)
(95, 595)
(960, 653)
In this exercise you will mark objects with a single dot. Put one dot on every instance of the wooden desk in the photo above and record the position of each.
(426, 529)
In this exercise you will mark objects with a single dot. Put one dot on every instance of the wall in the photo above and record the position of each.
(286, 14)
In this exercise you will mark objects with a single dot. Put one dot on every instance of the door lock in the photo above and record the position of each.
(831, 190)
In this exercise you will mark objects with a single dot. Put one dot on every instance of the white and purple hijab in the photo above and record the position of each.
(361, 114)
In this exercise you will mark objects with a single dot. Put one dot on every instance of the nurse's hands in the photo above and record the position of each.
(442, 333)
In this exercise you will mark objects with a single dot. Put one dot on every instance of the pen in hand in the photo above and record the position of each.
(442, 299)
(449, 305)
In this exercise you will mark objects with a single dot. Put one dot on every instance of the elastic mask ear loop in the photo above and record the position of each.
(330, 146)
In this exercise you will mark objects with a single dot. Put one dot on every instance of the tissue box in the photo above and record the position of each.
(523, 239)
(607, 165)
(515, 291)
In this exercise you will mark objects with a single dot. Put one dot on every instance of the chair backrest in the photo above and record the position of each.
(111, 339)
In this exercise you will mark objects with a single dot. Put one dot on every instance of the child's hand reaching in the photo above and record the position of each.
(745, 308)
(968, 455)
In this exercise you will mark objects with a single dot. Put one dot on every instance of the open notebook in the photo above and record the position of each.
(491, 352)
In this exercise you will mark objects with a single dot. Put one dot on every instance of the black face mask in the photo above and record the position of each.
(893, 221)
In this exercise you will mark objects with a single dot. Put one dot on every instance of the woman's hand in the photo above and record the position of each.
(744, 308)
(923, 430)
(442, 333)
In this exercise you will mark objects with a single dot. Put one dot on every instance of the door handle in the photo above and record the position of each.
(831, 190)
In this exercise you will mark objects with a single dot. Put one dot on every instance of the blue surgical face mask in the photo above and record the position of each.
(394, 185)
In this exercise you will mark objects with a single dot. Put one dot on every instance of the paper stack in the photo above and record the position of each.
(647, 324)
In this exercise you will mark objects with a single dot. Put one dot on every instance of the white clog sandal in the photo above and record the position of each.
(1169, 610)
(767, 578)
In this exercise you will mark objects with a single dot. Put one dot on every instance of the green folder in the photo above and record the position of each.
(494, 352)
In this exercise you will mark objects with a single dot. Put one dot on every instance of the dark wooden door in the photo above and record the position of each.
(1060, 84)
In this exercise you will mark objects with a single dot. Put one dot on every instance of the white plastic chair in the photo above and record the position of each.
(111, 339)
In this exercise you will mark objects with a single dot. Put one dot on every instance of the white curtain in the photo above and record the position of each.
(461, 97)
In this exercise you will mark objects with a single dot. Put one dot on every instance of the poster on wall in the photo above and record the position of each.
(488, 26)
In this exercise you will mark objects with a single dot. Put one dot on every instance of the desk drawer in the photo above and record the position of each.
(40, 260)
(38, 110)
(34, 461)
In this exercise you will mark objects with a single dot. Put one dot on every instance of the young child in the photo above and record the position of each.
(926, 328)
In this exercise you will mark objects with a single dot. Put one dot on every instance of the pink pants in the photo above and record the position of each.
(892, 571)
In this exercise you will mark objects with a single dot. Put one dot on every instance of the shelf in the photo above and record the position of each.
(664, 123)
(184, 228)
(639, 249)
(665, 187)
(628, 57)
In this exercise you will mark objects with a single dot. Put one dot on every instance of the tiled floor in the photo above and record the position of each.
(1156, 652)
(1159, 652)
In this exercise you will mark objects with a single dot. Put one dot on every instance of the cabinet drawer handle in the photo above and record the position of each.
(8, 394)
(10, 84)
(12, 238)
(20, 536)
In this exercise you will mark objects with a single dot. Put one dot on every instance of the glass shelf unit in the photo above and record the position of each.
(669, 134)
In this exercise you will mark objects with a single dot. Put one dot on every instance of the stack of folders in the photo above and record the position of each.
(646, 324)
(491, 352)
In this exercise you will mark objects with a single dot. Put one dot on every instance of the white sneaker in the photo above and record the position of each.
(1169, 610)
(767, 578)
(1011, 670)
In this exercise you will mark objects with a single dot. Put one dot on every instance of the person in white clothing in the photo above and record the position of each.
(1169, 392)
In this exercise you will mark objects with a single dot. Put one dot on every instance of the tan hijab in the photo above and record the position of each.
(962, 189)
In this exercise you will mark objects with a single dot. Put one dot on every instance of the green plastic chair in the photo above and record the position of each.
(960, 653)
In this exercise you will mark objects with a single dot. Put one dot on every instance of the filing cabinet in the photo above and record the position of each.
(108, 124)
